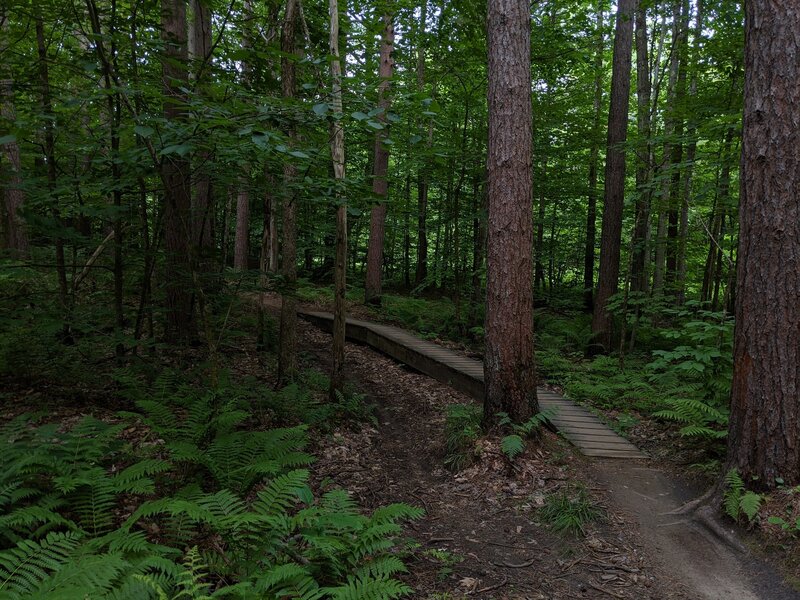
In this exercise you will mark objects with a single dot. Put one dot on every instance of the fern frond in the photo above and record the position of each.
(24, 567)
(369, 589)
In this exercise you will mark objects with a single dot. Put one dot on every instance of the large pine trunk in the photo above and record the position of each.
(611, 236)
(509, 360)
(380, 183)
(764, 433)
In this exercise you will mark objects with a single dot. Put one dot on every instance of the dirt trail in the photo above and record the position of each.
(711, 567)
(480, 538)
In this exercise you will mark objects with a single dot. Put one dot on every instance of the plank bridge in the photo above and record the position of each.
(578, 425)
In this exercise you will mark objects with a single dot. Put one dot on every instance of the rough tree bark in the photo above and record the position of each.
(611, 236)
(177, 180)
(509, 360)
(380, 183)
(764, 432)
(287, 354)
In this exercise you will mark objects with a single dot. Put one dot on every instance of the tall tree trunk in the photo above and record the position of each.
(691, 154)
(114, 121)
(422, 174)
(509, 366)
(538, 268)
(241, 245)
(764, 432)
(202, 203)
(611, 236)
(680, 36)
(50, 157)
(667, 163)
(340, 261)
(380, 182)
(644, 167)
(287, 355)
(478, 249)
(176, 176)
(14, 197)
(594, 159)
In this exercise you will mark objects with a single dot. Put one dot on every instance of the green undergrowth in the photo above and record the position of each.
(427, 317)
(680, 371)
(186, 496)
(463, 429)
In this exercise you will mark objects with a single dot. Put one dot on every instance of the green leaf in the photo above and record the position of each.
(144, 131)
(359, 116)
(321, 109)
(179, 149)
(512, 445)
(299, 154)
(8, 139)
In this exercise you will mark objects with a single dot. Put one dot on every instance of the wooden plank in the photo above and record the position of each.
(577, 424)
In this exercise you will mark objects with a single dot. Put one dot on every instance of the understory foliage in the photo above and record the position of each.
(569, 510)
(737, 500)
(463, 428)
(680, 371)
(205, 507)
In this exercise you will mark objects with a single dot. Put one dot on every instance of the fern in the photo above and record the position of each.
(512, 446)
(737, 500)
(23, 568)
(369, 589)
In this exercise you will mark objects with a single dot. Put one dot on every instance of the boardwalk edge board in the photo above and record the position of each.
(582, 428)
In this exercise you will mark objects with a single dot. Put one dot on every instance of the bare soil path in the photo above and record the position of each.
(481, 538)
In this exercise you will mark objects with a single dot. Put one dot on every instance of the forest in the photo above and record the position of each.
(363, 300)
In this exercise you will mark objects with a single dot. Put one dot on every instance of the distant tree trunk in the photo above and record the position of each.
(114, 106)
(14, 197)
(667, 163)
(202, 204)
(680, 37)
(380, 183)
(538, 268)
(510, 369)
(764, 432)
(50, 156)
(717, 221)
(594, 159)
(340, 261)
(176, 176)
(287, 355)
(478, 249)
(691, 153)
(407, 233)
(611, 237)
(644, 169)
(241, 245)
(422, 175)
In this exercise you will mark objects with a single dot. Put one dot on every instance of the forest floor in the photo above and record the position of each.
(481, 537)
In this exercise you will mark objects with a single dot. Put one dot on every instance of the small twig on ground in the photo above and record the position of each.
(492, 587)
(605, 591)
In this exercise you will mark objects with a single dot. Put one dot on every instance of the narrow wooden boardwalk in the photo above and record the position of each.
(581, 427)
